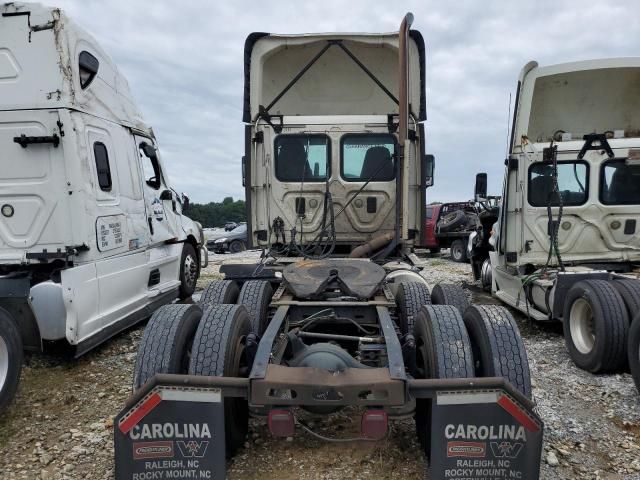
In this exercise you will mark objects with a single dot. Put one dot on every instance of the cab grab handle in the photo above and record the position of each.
(23, 140)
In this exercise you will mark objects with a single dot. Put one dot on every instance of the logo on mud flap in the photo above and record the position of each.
(193, 448)
(157, 209)
(142, 450)
(506, 449)
(466, 449)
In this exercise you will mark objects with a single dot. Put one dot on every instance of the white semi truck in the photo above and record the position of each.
(566, 245)
(92, 237)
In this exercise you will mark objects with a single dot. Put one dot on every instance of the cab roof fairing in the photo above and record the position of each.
(264, 48)
(525, 101)
(108, 95)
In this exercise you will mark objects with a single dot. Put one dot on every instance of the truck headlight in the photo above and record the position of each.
(221, 240)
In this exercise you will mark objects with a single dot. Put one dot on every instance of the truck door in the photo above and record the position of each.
(159, 199)
(35, 215)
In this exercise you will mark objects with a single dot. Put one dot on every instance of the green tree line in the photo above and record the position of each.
(216, 214)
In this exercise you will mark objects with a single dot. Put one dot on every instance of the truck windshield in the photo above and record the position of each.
(573, 184)
(301, 158)
(620, 183)
(368, 157)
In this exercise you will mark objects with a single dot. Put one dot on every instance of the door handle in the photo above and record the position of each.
(150, 220)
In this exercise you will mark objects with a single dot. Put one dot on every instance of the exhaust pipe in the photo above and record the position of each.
(402, 181)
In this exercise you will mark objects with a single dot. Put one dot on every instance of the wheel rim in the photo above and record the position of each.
(457, 251)
(190, 271)
(4, 362)
(581, 326)
(486, 273)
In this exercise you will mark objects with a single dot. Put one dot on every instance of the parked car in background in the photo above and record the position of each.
(448, 225)
(233, 241)
(230, 226)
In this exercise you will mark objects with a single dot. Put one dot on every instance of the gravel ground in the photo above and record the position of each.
(60, 426)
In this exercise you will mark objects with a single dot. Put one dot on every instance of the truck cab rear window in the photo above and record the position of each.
(369, 157)
(620, 183)
(102, 166)
(301, 158)
(573, 184)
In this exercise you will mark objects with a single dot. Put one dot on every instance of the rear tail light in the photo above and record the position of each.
(281, 423)
(375, 424)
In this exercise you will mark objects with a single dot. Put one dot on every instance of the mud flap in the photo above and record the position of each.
(171, 432)
(484, 434)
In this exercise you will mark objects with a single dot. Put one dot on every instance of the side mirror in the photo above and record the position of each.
(185, 203)
(148, 150)
(428, 167)
(481, 187)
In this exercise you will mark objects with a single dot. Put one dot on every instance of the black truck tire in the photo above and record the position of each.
(256, 295)
(497, 346)
(218, 350)
(166, 342)
(411, 297)
(443, 350)
(220, 291)
(189, 271)
(629, 290)
(633, 350)
(11, 356)
(596, 324)
(452, 221)
(449, 294)
(458, 251)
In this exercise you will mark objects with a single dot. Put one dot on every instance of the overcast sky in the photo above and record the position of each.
(184, 63)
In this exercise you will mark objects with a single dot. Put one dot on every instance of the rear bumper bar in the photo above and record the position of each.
(358, 380)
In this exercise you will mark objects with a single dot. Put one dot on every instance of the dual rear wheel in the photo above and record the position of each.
(208, 339)
(596, 323)
(484, 342)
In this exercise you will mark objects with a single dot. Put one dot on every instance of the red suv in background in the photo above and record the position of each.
(448, 225)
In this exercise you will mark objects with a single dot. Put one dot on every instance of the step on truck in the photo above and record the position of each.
(334, 315)
(565, 244)
(92, 236)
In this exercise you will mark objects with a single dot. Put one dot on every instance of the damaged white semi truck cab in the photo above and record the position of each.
(567, 244)
(92, 237)
(326, 150)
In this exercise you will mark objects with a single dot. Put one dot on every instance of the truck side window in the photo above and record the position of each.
(88, 68)
(619, 183)
(150, 165)
(573, 184)
(102, 166)
(301, 158)
(369, 157)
